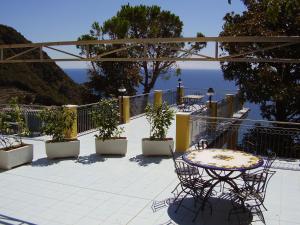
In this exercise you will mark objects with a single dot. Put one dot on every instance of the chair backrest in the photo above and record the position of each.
(172, 153)
(186, 173)
(259, 182)
(269, 160)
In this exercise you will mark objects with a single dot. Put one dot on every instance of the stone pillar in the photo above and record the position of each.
(183, 131)
(72, 132)
(124, 109)
(157, 97)
(180, 94)
(212, 112)
(229, 102)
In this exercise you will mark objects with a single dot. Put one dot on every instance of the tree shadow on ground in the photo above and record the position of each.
(186, 213)
(43, 162)
(147, 160)
(90, 159)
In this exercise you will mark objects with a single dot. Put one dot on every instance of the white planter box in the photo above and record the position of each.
(62, 149)
(154, 147)
(16, 157)
(111, 146)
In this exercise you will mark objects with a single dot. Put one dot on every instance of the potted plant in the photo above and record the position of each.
(160, 118)
(13, 151)
(106, 117)
(57, 121)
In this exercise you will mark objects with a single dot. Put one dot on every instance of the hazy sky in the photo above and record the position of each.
(66, 20)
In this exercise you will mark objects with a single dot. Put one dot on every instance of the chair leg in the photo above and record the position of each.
(180, 202)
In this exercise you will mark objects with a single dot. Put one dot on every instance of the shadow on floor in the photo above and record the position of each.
(42, 162)
(147, 160)
(186, 213)
(90, 159)
(7, 220)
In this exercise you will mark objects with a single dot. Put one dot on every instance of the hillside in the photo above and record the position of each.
(39, 83)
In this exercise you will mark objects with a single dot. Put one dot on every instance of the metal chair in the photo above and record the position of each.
(252, 195)
(191, 170)
(268, 161)
(191, 184)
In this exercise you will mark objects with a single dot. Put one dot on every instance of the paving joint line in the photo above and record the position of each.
(85, 188)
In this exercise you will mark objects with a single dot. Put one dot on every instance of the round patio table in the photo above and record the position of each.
(222, 165)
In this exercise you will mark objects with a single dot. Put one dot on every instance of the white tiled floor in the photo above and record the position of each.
(118, 190)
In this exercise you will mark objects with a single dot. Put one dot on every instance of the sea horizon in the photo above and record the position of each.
(198, 79)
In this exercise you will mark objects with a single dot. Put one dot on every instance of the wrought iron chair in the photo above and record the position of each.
(192, 170)
(202, 144)
(191, 184)
(268, 161)
(251, 197)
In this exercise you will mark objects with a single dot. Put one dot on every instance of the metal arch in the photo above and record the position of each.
(277, 42)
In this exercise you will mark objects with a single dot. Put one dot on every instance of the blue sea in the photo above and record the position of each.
(199, 79)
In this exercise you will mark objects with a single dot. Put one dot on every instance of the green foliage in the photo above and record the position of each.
(160, 118)
(12, 125)
(56, 121)
(139, 21)
(106, 116)
(273, 85)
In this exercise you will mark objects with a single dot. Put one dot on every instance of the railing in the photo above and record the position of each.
(170, 96)
(248, 135)
(138, 103)
(84, 118)
(31, 117)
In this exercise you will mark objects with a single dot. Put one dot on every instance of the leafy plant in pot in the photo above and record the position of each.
(106, 117)
(57, 121)
(160, 118)
(13, 151)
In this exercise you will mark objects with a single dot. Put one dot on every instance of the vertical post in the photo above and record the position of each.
(1, 54)
(126, 109)
(217, 50)
(183, 131)
(157, 97)
(229, 102)
(41, 53)
(72, 132)
(180, 94)
(213, 112)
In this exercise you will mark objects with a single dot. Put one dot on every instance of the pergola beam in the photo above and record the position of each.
(256, 39)
(125, 44)
(251, 60)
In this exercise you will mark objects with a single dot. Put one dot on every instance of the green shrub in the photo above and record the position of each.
(56, 121)
(106, 117)
(160, 118)
(12, 125)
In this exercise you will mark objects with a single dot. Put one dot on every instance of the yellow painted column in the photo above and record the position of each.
(229, 101)
(180, 94)
(126, 109)
(157, 97)
(72, 133)
(213, 112)
(183, 131)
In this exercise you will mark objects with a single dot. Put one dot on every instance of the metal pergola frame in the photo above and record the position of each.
(274, 42)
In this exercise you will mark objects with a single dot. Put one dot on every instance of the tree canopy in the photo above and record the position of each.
(136, 22)
(273, 85)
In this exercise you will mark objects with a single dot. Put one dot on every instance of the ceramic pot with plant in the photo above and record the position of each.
(160, 118)
(106, 117)
(57, 121)
(13, 151)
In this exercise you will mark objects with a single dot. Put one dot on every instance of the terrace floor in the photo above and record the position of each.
(119, 190)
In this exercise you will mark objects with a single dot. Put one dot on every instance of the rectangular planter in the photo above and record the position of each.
(157, 147)
(111, 146)
(62, 149)
(16, 157)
